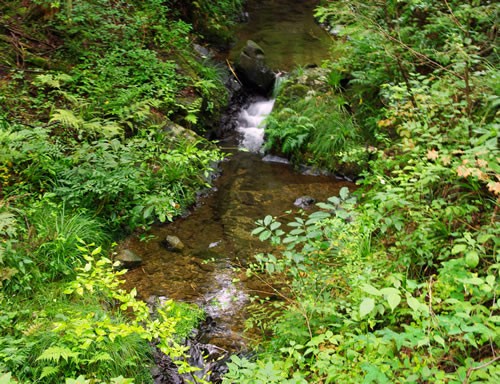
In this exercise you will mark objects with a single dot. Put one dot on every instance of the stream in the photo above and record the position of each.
(216, 233)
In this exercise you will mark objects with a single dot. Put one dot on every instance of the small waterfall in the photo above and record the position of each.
(251, 119)
(278, 83)
(251, 124)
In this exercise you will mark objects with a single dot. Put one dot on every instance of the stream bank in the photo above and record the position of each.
(215, 234)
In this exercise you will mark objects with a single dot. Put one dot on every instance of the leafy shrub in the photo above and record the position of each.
(351, 313)
(309, 123)
(69, 333)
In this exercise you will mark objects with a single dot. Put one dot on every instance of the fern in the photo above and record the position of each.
(103, 356)
(106, 128)
(7, 224)
(55, 354)
(48, 371)
(68, 118)
(53, 81)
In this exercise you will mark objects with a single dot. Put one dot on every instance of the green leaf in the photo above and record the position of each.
(393, 300)
(148, 211)
(265, 235)
(366, 307)
(258, 230)
(371, 290)
(344, 192)
(416, 305)
(275, 225)
(472, 259)
(458, 248)
(79, 380)
(49, 371)
(440, 340)
(326, 206)
(267, 220)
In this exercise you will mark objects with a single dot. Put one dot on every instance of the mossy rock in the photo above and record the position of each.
(37, 61)
(290, 93)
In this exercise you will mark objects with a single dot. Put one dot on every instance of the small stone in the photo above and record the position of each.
(173, 243)
(304, 202)
(214, 244)
(128, 258)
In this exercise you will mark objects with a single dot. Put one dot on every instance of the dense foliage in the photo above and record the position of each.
(400, 282)
(397, 282)
(99, 105)
(310, 125)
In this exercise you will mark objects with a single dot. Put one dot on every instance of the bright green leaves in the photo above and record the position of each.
(472, 259)
(393, 299)
(269, 228)
(366, 306)
(392, 296)
(370, 289)
(416, 305)
(344, 193)
(458, 248)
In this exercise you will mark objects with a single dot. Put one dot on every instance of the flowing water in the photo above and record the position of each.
(251, 124)
(216, 235)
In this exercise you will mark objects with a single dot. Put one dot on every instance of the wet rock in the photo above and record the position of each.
(214, 244)
(177, 131)
(173, 243)
(210, 359)
(304, 202)
(128, 259)
(253, 70)
(204, 52)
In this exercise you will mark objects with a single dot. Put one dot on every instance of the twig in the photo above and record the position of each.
(232, 71)
(469, 371)
(29, 37)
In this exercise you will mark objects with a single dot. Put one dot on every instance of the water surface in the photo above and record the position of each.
(216, 234)
(287, 32)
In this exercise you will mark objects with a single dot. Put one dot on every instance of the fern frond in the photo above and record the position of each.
(7, 223)
(47, 79)
(55, 354)
(32, 329)
(68, 118)
(103, 356)
(75, 100)
(48, 371)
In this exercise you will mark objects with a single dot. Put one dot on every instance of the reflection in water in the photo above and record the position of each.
(287, 32)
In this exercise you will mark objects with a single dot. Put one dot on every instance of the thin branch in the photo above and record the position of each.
(471, 369)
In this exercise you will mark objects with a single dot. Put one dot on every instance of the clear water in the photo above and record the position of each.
(287, 32)
(217, 233)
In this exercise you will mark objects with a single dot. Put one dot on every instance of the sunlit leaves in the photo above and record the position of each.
(366, 306)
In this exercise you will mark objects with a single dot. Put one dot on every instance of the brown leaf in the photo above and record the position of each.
(432, 154)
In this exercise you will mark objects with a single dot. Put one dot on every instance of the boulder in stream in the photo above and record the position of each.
(128, 259)
(253, 70)
(173, 243)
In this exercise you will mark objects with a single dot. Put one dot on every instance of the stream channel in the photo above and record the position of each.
(216, 233)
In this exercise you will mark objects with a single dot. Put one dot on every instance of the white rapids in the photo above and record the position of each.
(251, 124)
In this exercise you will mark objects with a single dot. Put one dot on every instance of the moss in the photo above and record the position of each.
(291, 93)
